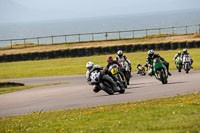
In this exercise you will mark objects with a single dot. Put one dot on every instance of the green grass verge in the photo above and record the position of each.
(179, 114)
(74, 66)
(9, 89)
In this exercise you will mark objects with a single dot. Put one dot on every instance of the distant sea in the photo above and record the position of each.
(101, 24)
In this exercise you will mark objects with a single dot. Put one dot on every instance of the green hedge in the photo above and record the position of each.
(97, 51)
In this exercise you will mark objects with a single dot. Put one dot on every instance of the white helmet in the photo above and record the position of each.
(119, 53)
(150, 53)
(89, 65)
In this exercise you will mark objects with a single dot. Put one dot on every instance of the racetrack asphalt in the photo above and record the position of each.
(79, 94)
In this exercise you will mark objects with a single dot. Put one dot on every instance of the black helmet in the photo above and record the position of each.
(184, 51)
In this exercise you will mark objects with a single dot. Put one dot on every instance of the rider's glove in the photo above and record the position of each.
(89, 82)
(150, 66)
(105, 69)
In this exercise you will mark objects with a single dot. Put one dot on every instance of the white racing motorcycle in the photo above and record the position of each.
(126, 71)
(187, 63)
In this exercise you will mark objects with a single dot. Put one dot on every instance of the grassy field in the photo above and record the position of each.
(180, 114)
(155, 38)
(74, 66)
(9, 89)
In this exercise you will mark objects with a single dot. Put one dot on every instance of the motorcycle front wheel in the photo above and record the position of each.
(162, 77)
(187, 68)
(107, 88)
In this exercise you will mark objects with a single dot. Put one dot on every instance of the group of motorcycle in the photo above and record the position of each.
(103, 78)
(160, 71)
(103, 81)
(111, 79)
(183, 63)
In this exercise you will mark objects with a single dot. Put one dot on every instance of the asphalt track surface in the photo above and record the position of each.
(79, 94)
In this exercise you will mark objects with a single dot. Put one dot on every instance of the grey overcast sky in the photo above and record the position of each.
(19, 10)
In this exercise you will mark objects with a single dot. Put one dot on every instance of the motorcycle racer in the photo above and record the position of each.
(90, 68)
(176, 56)
(149, 62)
(186, 53)
(122, 58)
(112, 62)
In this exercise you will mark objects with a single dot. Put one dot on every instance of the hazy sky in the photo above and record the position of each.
(63, 9)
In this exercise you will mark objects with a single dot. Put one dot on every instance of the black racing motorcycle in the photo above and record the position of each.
(105, 82)
(119, 75)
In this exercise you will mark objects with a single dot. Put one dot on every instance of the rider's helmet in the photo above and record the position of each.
(120, 53)
(150, 53)
(89, 65)
(184, 51)
(179, 53)
(109, 59)
(138, 64)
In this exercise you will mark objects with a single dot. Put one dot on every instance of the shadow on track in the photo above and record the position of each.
(115, 94)
(133, 87)
(177, 82)
(142, 83)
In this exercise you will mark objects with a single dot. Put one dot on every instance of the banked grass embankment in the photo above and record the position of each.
(179, 114)
(154, 38)
(39, 53)
(75, 66)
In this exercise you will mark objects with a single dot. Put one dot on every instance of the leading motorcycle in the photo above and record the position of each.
(104, 82)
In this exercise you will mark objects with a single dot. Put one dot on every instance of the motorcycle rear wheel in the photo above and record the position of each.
(122, 90)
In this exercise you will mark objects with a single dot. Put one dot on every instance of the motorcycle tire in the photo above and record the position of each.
(125, 84)
(144, 73)
(162, 77)
(122, 90)
(187, 68)
(107, 88)
(128, 79)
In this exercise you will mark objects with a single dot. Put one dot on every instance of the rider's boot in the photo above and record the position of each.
(169, 73)
(96, 89)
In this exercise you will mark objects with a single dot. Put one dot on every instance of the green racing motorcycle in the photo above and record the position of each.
(160, 70)
(179, 64)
